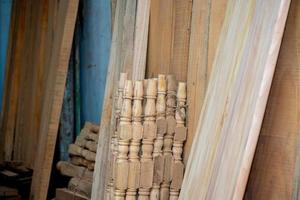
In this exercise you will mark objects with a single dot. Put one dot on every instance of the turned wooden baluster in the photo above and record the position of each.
(114, 140)
(161, 130)
(137, 133)
(149, 135)
(177, 170)
(168, 139)
(124, 135)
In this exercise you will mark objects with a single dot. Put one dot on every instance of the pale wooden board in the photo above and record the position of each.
(275, 172)
(61, 42)
(169, 33)
(141, 40)
(107, 118)
(235, 101)
(128, 36)
(206, 24)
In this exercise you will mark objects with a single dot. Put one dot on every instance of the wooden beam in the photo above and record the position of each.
(235, 101)
(56, 76)
(275, 168)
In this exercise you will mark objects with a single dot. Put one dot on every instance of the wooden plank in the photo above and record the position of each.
(181, 38)
(107, 118)
(161, 25)
(13, 68)
(206, 24)
(169, 34)
(128, 37)
(141, 40)
(235, 101)
(54, 87)
(275, 169)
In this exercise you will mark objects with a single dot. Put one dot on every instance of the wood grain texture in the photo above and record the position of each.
(141, 40)
(129, 36)
(206, 24)
(61, 44)
(107, 118)
(275, 169)
(169, 33)
(235, 101)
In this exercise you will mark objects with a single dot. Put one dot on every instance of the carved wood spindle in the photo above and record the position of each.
(124, 135)
(134, 149)
(114, 140)
(147, 142)
(177, 170)
(161, 130)
(168, 139)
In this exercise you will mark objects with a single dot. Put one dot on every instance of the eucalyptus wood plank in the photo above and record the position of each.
(141, 40)
(169, 34)
(60, 48)
(235, 101)
(206, 24)
(275, 169)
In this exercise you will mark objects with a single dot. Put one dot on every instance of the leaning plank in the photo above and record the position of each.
(107, 119)
(169, 34)
(235, 101)
(206, 24)
(141, 39)
(275, 169)
(56, 77)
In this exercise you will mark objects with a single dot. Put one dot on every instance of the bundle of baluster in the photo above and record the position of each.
(147, 145)
(82, 161)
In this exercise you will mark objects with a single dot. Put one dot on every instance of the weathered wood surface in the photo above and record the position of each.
(206, 24)
(57, 65)
(235, 101)
(107, 117)
(275, 169)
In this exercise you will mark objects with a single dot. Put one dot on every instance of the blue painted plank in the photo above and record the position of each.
(5, 13)
(95, 43)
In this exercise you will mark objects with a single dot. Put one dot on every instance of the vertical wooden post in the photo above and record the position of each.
(177, 170)
(147, 143)
(161, 130)
(124, 135)
(114, 139)
(137, 133)
(168, 140)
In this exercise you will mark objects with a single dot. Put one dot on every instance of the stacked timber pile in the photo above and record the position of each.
(147, 144)
(81, 165)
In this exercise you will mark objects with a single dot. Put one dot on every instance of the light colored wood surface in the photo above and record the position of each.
(275, 168)
(177, 166)
(128, 37)
(168, 138)
(52, 101)
(235, 101)
(107, 118)
(137, 133)
(206, 24)
(149, 135)
(169, 32)
(141, 39)
(161, 123)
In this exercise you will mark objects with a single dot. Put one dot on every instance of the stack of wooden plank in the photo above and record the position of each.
(82, 162)
(147, 144)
